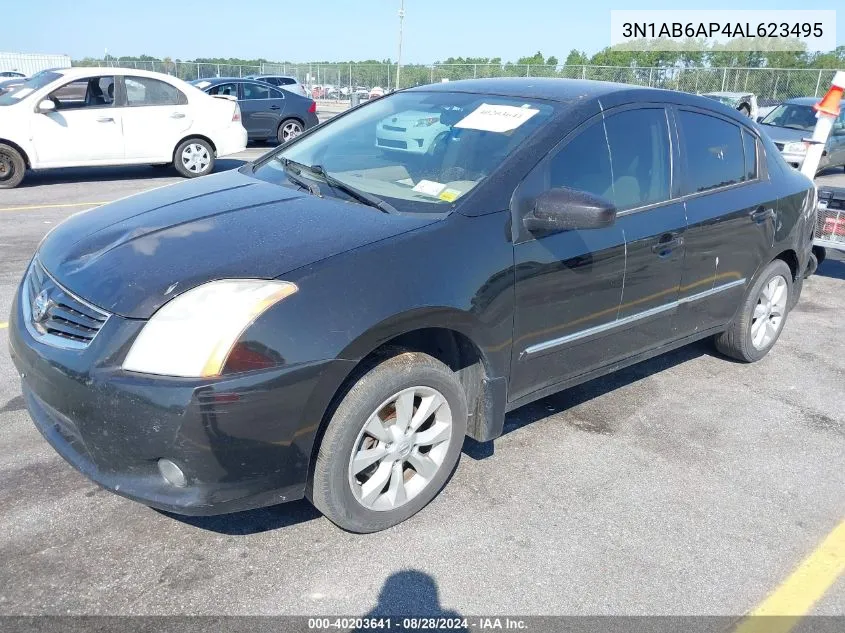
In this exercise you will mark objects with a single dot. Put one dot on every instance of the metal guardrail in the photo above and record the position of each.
(766, 83)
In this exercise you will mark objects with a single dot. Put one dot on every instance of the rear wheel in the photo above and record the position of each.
(194, 157)
(12, 167)
(289, 129)
(761, 318)
(391, 445)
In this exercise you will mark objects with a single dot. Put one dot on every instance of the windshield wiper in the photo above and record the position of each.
(292, 171)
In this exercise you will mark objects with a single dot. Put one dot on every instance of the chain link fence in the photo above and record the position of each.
(335, 81)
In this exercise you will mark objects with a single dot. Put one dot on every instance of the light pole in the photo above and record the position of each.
(399, 58)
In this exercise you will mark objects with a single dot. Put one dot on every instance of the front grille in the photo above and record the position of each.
(393, 128)
(830, 221)
(56, 316)
(384, 142)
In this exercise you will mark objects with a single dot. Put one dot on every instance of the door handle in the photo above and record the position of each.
(667, 244)
(761, 214)
(105, 119)
(177, 115)
(274, 107)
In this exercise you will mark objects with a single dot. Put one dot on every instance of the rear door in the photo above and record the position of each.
(157, 117)
(85, 128)
(731, 209)
(261, 109)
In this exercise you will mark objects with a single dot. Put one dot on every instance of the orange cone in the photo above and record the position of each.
(830, 102)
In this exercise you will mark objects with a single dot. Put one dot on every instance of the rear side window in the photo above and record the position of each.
(749, 144)
(714, 152)
(145, 91)
(286, 81)
(640, 157)
(584, 164)
(256, 91)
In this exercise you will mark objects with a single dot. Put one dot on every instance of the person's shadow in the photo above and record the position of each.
(412, 594)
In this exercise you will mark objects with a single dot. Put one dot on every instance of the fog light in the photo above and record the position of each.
(172, 473)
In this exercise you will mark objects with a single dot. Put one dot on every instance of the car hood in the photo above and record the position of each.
(132, 256)
(785, 134)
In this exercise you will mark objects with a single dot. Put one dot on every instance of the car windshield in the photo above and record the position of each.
(418, 151)
(14, 95)
(731, 101)
(799, 117)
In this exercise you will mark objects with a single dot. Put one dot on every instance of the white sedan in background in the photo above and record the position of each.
(113, 116)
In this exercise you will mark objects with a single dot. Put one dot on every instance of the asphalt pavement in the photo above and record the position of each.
(687, 484)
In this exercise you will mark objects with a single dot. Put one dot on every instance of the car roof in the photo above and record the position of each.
(268, 75)
(724, 93)
(84, 71)
(803, 101)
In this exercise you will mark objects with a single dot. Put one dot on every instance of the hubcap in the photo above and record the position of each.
(196, 158)
(291, 130)
(769, 312)
(7, 168)
(400, 449)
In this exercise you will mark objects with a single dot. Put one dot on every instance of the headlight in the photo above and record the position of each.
(192, 335)
(798, 147)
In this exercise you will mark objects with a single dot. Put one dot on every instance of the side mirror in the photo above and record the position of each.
(47, 105)
(565, 209)
(760, 119)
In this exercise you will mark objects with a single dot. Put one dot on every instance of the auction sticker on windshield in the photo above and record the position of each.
(429, 187)
(496, 118)
(20, 94)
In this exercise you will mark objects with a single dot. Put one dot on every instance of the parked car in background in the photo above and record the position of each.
(764, 106)
(282, 81)
(11, 73)
(745, 102)
(113, 116)
(332, 322)
(412, 131)
(793, 121)
(376, 92)
(269, 113)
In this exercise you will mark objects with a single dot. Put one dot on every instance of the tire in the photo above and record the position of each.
(194, 157)
(12, 167)
(812, 265)
(742, 340)
(821, 254)
(745, 109)
(340, 491)
(289, 129)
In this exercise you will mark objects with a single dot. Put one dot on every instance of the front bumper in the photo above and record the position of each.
(242, 442)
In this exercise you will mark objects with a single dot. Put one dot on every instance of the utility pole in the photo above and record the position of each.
(399, 58)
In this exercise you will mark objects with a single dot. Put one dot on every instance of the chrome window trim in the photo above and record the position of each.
(47, 338)
(562, 340)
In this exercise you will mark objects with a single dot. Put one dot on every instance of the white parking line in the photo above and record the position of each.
(33, 207)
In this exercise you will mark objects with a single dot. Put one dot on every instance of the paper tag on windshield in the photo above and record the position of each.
(20, 94)
(496, 118)
(429, 187)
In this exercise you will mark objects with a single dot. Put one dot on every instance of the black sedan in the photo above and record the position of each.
(268, 113)
(332, 320)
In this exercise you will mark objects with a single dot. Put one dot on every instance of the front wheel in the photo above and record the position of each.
(194, 157)
(289, 129)
(12, 167)
(761, 318)
(391, 445)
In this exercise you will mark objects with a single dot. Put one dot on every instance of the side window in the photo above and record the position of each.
(749, 144)
(714, 151)
(230, 90)
(286, 81)
(276, 94)
(144, 91)
(640, 155)
(92, 92)
(255, 91)
(583, 163)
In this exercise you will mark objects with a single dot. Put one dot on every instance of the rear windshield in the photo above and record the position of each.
(27, 88)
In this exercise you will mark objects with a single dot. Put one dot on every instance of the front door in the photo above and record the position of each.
(85, 128)
(581, 302)
(156, 118)
(261, 109)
